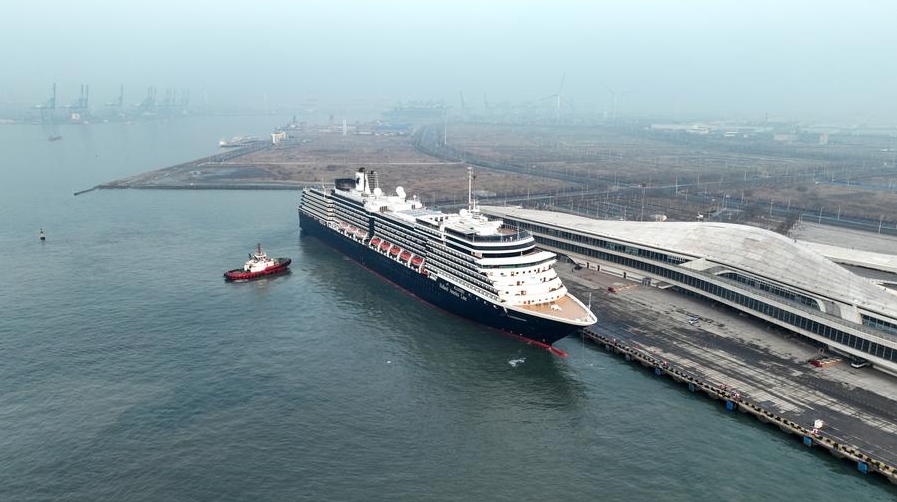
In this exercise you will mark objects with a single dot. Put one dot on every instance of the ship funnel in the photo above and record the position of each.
(361, 184)
(374, 180)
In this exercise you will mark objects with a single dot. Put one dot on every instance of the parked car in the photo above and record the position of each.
(859, 363)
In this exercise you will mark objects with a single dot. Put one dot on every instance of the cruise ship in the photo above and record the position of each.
(463, 262)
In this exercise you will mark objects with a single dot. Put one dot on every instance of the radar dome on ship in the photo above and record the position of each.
(378, 192)
(400, 192)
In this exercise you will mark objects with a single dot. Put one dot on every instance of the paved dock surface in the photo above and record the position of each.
(764, 365)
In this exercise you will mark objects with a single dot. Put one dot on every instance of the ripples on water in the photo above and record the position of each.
(133, 372)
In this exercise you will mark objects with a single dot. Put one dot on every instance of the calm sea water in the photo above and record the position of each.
(131, 371)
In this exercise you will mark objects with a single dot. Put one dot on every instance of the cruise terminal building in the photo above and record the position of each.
(756, 271)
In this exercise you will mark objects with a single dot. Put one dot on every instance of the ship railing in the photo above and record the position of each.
(511, 237)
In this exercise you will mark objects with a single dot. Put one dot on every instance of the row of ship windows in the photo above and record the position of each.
(491, 252)
(460, 270)
(522, 292)
(464, 246)
(315, 206)
(399, 227)
(459, 256)
(540, 301)
(547, 264)
(717, 291)
(523, 272)
(401, 232)
(400, 239)
(350, 213)
(466, 275)
(543, 279)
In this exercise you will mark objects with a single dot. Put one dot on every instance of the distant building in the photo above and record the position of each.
(785, 137)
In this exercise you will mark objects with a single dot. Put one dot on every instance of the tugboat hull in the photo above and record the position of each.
(241, 275)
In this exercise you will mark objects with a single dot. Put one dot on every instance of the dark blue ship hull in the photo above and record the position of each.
(440, 293)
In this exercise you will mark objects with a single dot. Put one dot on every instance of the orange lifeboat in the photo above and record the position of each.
(417, 260)
(375, 241)
(405, 256)
(394, 251)
(384, 245)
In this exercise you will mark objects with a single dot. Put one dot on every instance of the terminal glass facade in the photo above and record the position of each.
(664, 265)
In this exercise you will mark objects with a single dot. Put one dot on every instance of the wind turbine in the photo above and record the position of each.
(614, 96)
(557, 96)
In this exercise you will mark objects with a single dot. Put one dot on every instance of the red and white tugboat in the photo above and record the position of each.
(258, 265)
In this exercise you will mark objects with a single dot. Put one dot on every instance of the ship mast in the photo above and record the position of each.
(470, 188)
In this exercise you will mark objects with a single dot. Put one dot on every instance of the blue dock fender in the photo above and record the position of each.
(808, 441)
(862, 467)
(691, 386)
(730, 405)
(657, 371)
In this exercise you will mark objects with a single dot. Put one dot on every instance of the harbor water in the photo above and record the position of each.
(131, 371)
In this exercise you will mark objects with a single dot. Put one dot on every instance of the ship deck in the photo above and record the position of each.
(563, 308)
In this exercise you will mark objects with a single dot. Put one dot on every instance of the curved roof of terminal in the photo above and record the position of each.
(754, 250)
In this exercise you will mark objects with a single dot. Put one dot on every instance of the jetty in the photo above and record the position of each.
(215, 172)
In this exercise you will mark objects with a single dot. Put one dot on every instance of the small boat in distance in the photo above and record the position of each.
(54, 137)
(42, 235)
(258, 265)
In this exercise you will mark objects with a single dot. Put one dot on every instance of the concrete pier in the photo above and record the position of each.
(850, 412)
(212, 172)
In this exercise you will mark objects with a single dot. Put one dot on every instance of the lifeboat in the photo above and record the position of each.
(375, 241)
(417, 260)
(394, 251)
(405, 256)
(384, 245)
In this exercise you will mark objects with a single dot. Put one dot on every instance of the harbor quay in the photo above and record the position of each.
(747, 367)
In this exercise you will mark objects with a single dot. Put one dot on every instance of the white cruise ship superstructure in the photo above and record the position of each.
(462, 262)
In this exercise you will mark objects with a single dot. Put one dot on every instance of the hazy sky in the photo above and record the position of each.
(801, 59)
